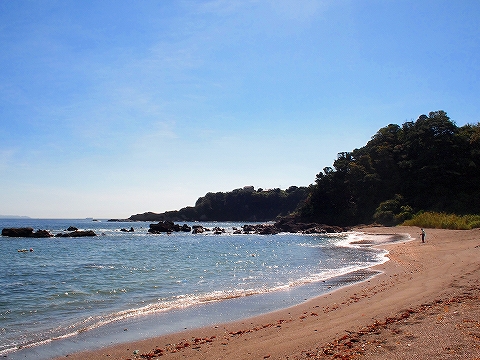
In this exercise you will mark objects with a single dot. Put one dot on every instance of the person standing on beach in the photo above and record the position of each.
(423, 235)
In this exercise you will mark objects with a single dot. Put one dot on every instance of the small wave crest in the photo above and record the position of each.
(165, 305)
(360, 239)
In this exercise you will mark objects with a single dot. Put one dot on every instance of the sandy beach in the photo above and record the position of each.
(423, 305)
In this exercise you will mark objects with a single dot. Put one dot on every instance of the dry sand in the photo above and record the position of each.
(424, 305)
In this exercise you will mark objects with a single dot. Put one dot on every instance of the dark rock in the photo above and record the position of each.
(163, 227)
(168, 226)
(291, 226)
(25, 232)
(268, 230)
(261, 229)
(218, 230)
(249, 228)
(72, 228)
(18, 232)
(77, 233)
(42, 234)
(198, 229)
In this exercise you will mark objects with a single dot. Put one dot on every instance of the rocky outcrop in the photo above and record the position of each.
(185, 228)
(77, 233)
(163, 227)
(198, 229)
(28, 232)
(168, 227)
(125, 230)
(261, 229)
(285, 225)
(218, 230)
(291, 226)
(25, 232)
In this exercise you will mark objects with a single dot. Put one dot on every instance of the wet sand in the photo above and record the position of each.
(424, 304)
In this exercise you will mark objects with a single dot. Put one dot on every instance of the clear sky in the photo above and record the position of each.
(111, 108)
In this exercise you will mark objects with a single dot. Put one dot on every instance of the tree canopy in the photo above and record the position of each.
(245, 204)
(427, 164)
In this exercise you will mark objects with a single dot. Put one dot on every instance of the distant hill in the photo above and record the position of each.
(14, 217)
(246, 204)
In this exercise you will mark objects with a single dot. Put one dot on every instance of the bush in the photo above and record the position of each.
(444, 221)
(392, 212)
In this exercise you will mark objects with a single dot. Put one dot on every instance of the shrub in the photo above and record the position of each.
(444, 221)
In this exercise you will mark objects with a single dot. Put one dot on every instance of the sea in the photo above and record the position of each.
(64, 295)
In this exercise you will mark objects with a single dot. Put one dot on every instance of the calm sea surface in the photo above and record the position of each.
(69, 287)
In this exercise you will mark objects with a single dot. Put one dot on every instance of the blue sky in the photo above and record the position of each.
(111, 108)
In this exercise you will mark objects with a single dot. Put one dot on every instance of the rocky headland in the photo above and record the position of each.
(28, 232)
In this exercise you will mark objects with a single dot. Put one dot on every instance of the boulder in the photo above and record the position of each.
(291, 226)
(261, 229)
(26, 232)
(18, 232)
(268, 230)
(218, 230)
(186, 228)
(77, 233)
(168, 226)
(163, 227)
(42, 234)
(198, 229)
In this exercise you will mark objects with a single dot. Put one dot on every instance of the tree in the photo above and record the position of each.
(430, 163)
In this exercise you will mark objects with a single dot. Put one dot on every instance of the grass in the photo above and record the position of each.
(444, 221)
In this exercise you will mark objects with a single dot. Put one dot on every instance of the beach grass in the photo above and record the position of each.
(444, 221)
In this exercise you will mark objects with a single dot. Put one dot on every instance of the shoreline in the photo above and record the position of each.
(196, 316)
(201, 314)
(323, 323)
(420, 280)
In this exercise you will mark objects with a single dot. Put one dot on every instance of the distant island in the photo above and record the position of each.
(429, 164)
(14, 217)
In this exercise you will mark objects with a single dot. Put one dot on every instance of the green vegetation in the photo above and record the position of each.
(430, 165)
(245, 204)
(444, 221)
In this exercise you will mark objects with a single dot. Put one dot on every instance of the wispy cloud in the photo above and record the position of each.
(301, 10)
(6, 158)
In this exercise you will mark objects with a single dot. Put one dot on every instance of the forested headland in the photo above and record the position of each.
(425, 165)
(429, 164)
(245, 204)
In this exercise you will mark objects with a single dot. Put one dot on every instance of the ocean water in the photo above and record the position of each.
(77, 290)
